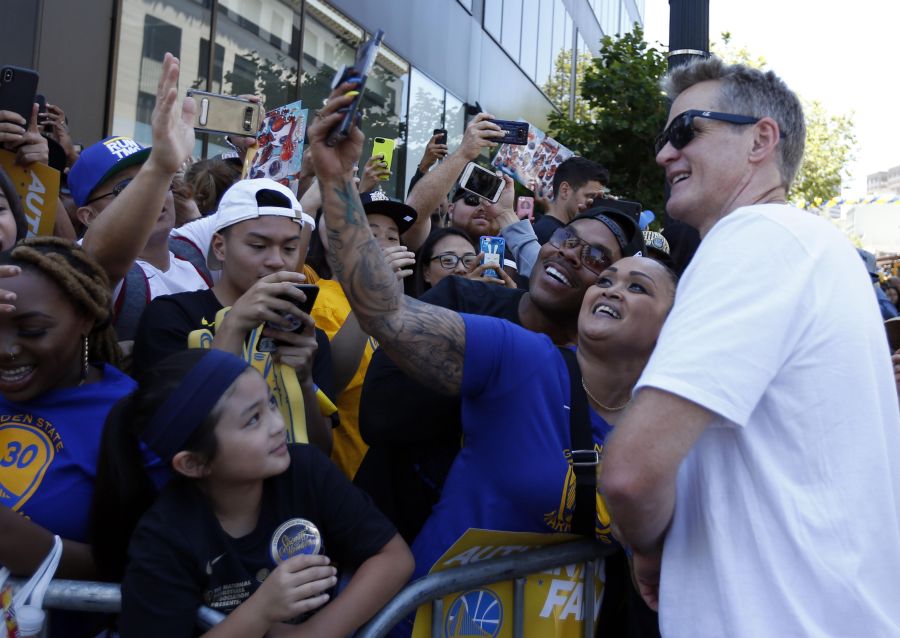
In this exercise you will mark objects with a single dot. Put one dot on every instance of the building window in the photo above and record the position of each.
(493, 18)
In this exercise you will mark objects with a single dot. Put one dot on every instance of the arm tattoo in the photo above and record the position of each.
(426, 341)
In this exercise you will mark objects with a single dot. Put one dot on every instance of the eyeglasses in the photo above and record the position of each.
(591, 257)
(117, 190)
(472, 200)
(680, 130)
(449, 260)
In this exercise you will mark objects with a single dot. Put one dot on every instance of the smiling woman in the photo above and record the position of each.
(56, 387)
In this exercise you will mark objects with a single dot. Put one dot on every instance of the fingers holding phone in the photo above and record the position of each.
(401, 260)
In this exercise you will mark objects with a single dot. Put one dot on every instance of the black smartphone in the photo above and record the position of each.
(17, 89)
(41, 101)
(443, 135)
(513, 132)
(269, 344)
(359, 72)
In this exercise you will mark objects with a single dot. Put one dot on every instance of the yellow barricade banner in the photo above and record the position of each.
(553, 599)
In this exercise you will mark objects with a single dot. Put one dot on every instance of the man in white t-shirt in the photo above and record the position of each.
(123, 195)
(756, 475)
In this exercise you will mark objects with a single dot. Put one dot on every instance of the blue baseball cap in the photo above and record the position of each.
(99, 162)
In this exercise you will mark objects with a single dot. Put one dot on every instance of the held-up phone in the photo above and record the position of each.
(525, 207)
(17, 89)
(513, 132)
(443, 135)
(384, 147)
(270, 344)
(494, 249)
(482, 182)
(892, 327)
(359, 72)
(226, 114)
(41, 101)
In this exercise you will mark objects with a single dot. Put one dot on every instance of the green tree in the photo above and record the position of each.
(830, 139)
(557, 86)
(622, 111)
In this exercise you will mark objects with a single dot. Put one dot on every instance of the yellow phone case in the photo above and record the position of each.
(384, 147)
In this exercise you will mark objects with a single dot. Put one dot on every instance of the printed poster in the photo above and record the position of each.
(552, 600)
(280, 144)
(535, 162)
(38, 188)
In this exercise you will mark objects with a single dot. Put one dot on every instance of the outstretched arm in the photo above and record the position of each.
(426, 341)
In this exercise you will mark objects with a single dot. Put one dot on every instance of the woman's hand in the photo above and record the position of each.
(376, 170)
(401, 260)
(296, 586)
(478, 274)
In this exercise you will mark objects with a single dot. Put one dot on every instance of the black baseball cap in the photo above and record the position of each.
(378, 203)
(622, 217)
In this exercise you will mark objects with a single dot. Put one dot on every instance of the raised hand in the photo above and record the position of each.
(172, 123)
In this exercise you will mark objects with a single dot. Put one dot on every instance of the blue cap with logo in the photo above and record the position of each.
(99, 162)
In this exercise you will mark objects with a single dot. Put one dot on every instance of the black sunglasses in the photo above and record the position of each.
(117, 190)
(680, 130)
(471, 199)
(591, 257)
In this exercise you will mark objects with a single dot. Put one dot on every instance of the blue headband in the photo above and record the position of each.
(191, 402)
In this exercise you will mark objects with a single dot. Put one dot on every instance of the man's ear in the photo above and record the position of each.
(85, 214)
(190, 465)
(218, 246)
(565, 190)
(765, 139)
(450, 210)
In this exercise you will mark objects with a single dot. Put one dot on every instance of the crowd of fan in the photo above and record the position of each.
(166, 405)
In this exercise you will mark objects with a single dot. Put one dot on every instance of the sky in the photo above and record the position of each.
(839, 53)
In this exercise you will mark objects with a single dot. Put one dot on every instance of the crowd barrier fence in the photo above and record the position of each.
(86, 596)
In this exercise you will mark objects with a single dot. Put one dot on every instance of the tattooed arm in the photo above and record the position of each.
(427, 342)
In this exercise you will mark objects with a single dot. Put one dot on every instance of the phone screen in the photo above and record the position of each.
(482, 182)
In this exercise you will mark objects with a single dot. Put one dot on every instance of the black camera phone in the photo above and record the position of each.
(269, 344)
(513, 132)
(17, 89)
(359, 72)
(443, 135)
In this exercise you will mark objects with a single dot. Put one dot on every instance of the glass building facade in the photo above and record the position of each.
(441, 59)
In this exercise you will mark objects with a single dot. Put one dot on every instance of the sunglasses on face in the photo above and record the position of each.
(472, 200)
(449, 260)
(680, 130)
(591, 257)
(117, 190)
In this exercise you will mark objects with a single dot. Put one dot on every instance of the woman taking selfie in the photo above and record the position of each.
(247, 524)
(57, 384)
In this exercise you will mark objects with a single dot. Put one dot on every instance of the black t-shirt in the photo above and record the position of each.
(180, 558)
(168, 319)
(414, 432)
(545, 226)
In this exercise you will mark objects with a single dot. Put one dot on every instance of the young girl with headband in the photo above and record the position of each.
(247, 524)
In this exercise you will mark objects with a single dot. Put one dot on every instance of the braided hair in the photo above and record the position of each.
(81, 279)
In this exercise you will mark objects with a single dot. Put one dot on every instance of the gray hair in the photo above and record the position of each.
(748, 91)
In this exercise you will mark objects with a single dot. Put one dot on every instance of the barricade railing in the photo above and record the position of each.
(434, 587)
(106, 598)
(102, 598)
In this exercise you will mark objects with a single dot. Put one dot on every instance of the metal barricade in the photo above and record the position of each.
(514, 567)
(102, 598)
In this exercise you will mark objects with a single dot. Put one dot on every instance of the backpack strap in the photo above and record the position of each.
(585, 458)
(131, 302)
(186, 249)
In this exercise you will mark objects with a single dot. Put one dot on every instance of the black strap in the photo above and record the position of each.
(584, 458)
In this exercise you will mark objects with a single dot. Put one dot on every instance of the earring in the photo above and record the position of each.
(84, 359)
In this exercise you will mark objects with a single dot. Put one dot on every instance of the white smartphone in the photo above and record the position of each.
(482, 182)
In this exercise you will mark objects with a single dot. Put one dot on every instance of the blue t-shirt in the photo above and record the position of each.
(49, 450)
(512, 473)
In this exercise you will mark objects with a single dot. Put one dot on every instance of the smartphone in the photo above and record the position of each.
(525, 207)
(482, 182)
(270, 344)
(494, 249)
(365, 59)
(17, 89)
(443, 135)
(384, 147)
(226, 114)
(513, 132)
(892, 327)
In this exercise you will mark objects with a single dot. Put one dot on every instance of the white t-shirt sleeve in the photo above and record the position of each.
(739, 310)
(199, 232)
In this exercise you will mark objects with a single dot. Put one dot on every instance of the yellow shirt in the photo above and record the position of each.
(330, 312)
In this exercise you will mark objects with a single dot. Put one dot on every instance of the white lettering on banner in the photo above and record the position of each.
(480, 553)
(32, 211)
(122, 148)
(568, 593)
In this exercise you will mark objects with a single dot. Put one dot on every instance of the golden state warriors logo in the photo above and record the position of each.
(560, 520)
(475, 613)
(25, 454)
